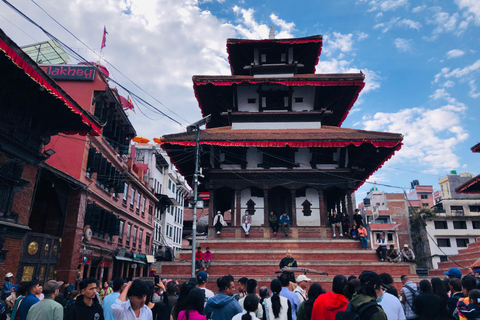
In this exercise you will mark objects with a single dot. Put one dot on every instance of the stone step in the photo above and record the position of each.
(451, 264)
(474, 254)
(440, 272)
(469, 249)
(262, 232)
(279, 244)
(277, 255)
(262, 269)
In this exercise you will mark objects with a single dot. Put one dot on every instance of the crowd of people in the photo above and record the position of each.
(370, 296)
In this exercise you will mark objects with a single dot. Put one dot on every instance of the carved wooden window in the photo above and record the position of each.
(307, 211)
(251, 207)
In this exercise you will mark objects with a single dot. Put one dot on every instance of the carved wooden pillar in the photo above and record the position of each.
(350, 207)
(211, 205)
(344, 206)
(323, 208)
(238, 207)
(266, 209)
(294, 208)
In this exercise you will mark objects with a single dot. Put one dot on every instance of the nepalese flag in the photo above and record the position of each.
(104, 39)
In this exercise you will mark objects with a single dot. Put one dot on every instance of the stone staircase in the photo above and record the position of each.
(463, 260)
(258, 256)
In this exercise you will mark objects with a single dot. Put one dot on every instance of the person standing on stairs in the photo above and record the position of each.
(246, 222)
(289, 262)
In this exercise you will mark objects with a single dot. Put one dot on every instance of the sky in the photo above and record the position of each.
(420, 59)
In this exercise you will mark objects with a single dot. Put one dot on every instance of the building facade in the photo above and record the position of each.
(274, 142)
(171, 190)
(34, 197)
(111, 228)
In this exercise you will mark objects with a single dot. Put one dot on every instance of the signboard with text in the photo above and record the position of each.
(66, 72)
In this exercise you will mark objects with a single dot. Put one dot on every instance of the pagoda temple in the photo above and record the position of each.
(275, 141)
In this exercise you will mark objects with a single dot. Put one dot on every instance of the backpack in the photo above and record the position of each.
(415, 294)
(354, 313)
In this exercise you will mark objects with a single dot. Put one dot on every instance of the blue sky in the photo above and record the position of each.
(421, 61)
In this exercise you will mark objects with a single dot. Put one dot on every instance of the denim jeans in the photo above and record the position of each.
(363, 241)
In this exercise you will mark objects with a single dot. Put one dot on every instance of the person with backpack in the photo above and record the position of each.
(363, 305)
(427, 305)
(407, 295)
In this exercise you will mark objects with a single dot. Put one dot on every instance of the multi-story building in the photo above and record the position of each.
(110, 232)
(35, 199)
(420, 197)
(171, 191)
(456, 222)
(387, 213)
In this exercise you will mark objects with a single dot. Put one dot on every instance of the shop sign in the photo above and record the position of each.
(66, 72)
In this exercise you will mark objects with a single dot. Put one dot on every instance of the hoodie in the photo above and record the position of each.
(222, 307)
(327, 305)
(80, 311)
(371, 313)
(469, 311)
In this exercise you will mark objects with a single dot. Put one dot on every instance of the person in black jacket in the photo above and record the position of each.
(427, 304)
(456, 293)
(86, 307)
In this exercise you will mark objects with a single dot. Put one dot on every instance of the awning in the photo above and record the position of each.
(84, 123)
(150, 259)
(123, 258)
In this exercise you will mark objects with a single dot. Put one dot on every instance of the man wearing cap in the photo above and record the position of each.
(407, 254)
(202, 278)
(301, 289)
(33, 290)
(218, 222)
(7, 286)
(48, 308)
(454, 273)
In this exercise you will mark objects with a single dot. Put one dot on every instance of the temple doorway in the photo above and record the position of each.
(224, 200)
(280, 201)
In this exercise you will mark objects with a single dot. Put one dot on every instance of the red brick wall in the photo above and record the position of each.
(13, 257)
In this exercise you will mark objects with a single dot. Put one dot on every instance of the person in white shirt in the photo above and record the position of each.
(250, 306)
(134, 308)
(301, 289)
(202, 278)
(390, 304)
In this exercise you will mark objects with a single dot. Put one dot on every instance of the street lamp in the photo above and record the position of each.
(196, 127)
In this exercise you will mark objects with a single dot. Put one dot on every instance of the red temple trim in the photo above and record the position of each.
(293, 144)
(476, 148)
(358, 83)
(379, 166)
(35, 76)
(468, 184)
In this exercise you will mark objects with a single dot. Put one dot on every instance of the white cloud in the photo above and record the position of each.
(372, 79)
(459, 72)
(472, 6)
(427, 138)
(362, 36)
(405, 23)
(387, 5)
(445, 22)
(249, 28)
(337, 42)
(286, 27)
(419, 9)
(473, 89)
(455, 53)
(448, 84)
(403, 45)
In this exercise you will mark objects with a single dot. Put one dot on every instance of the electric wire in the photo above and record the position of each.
(73, 35)
(80, 58)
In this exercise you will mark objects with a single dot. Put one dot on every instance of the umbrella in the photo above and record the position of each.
(141, 139)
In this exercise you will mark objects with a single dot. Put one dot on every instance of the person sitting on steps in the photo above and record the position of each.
(273, 222)
(218, 222)
(285, 221)
(246, 222)
(335, 221)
